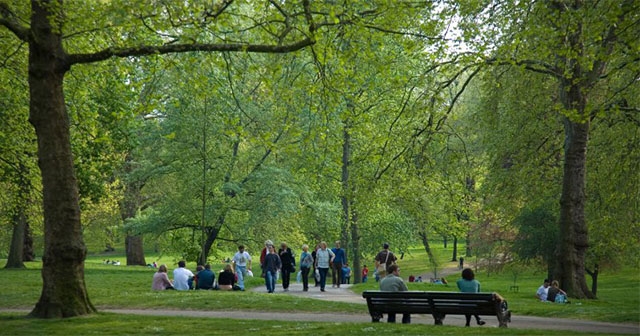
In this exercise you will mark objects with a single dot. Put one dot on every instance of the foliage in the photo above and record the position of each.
(537, 235)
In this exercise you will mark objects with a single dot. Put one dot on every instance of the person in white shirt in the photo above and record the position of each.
(181, 276)
(242, 262)
(543, 291)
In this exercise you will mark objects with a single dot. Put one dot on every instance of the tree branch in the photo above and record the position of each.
(531, 65)
(9, 20)
(178, 48)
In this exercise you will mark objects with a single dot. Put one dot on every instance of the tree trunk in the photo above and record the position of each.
(27, 250)
(454, 255)
(594, 278)
(574, 242)
(135, 250)
(17, 240)
(427, 248)
(356, 272)
(344, 198)
(469, 252)
(133, 244)
(212, 234)
(19, 237)
(64, 292)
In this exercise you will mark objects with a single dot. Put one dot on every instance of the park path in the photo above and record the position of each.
(344, 294)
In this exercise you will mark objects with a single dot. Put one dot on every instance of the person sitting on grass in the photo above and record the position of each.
(227, 278)
(181, 276)
(556, 294)
(161, 279)
(206, 278)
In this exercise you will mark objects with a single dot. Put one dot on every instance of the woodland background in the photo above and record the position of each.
(195, 126)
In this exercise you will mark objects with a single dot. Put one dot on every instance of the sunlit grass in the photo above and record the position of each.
(130, 287)
(118, 324)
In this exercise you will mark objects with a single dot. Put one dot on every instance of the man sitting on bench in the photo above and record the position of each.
(393, 283)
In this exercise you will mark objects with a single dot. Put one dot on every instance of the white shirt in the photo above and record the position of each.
(542, 293)
(241, 259)
(181, 277)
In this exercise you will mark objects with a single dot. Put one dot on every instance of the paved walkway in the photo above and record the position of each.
(344, 294)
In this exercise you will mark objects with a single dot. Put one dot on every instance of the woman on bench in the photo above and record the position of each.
(468, 284)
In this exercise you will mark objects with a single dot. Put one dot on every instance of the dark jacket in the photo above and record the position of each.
(206, 277)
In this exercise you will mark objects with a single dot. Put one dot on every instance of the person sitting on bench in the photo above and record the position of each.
(394, 283)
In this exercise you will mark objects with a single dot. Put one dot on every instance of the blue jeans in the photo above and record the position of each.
(241, 271)
(323, 277)
(270, 280)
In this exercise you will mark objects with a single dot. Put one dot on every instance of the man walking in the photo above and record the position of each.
(339, 260)
(384, 259)
(242, 262)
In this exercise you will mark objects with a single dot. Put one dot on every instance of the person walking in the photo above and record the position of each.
(241, 262)
(394, 283)
(384, 259)
(324, 259)
(263, 254)
(288, 265)
(306, 260)
(339, 261)
(365, 273)
(271, 265)
(468, 284)
(316, 279)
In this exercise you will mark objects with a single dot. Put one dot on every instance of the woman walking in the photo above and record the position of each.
(306, 260)
(271, 266)
(324, 259)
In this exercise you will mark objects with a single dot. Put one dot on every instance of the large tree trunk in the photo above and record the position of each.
(574, 242)
(64, 291)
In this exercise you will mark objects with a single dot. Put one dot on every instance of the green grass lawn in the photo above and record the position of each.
(117, 324)
(130, 287)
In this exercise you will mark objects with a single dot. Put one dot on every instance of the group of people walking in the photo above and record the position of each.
(317, 262)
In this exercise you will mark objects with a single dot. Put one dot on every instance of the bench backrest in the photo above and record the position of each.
(420, 302)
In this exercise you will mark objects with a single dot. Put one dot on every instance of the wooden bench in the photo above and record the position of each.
(438, 304)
